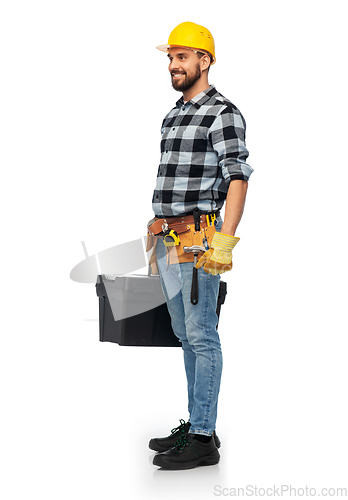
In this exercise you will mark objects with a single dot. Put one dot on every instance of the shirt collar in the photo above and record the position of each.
(199, 99)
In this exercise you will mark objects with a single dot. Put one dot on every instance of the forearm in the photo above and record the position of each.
(235, 202)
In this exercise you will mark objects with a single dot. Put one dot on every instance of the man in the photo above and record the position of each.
(203, 164)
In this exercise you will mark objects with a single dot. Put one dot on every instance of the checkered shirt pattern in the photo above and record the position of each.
(202, 150)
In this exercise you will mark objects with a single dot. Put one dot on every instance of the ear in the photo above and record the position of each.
(205, 62)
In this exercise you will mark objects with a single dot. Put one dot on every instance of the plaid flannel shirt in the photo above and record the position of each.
(202, 150)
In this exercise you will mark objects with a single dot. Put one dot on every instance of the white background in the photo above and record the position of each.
(83, 94)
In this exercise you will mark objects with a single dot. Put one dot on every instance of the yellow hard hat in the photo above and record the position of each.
(193, 36)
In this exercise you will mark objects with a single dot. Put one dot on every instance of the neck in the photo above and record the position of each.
(200, 85)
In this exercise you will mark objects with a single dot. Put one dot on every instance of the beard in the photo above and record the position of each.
(188, 81)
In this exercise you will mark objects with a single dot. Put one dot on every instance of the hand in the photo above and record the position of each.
(218, 259)
(211, 266)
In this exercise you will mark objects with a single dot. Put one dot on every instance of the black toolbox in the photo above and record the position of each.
(133, 311)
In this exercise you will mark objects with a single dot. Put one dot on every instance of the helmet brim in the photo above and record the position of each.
(163, 48)
(166, 47)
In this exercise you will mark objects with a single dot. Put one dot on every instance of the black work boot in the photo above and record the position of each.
(188, 453)
(164, 444)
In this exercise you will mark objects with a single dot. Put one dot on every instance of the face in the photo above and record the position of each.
(184, 68)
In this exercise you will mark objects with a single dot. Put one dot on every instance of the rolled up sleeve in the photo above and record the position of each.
(227, 137)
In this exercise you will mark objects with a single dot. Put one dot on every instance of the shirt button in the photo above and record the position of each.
(166, 151)
(174, 128)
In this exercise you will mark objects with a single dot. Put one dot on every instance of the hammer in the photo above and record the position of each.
(196, 249)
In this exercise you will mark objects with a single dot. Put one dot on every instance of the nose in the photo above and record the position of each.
(173, 64)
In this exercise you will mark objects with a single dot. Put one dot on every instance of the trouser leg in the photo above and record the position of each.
(171, 281)
(203, 338)
(195, 326)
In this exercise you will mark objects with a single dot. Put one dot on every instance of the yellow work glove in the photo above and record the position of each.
(218, 259)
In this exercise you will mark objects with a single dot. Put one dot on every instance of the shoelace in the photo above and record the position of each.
(181, 442)
(181, 427)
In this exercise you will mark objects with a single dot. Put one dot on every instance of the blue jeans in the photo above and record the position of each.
(195, 327)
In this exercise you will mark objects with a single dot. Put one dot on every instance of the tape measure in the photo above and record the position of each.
(171, 238)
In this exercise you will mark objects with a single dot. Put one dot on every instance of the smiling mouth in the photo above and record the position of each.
(177, 75)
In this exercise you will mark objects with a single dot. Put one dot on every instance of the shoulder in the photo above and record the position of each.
(225, 107)
(225, 104)
(221, 99)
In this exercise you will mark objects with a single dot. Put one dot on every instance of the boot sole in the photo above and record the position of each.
(211, 459)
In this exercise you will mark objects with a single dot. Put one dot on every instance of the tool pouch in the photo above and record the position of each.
(188, 238)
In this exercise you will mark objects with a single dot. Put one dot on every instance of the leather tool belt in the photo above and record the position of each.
(185, 227)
